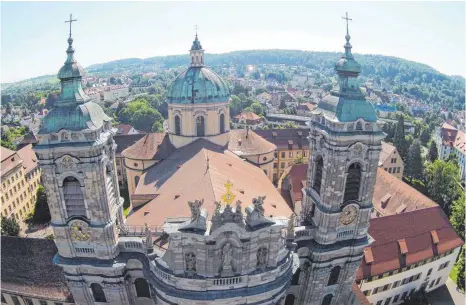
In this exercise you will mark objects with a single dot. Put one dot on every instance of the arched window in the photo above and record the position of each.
(289, 299)
(136, 181)
(295, 278)
(327, 299)
(334, 274)
(358, 126)
(74, 197)
(222, 123)
(98, 293)
(200, 126)
(353, 181)
(319, 164)
(142, 288)
(190, 260)
(177, 125)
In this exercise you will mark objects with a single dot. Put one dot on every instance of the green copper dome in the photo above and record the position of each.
(198, 85)
(71, 68)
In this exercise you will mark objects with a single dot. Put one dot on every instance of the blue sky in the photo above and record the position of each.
(33, 34)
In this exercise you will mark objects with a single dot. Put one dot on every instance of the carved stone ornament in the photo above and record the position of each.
(255, 213)
(290, 229)
(67, 162)
(148, 236)
(358, 150)
(198, 221)
(227, 255)
(258, 205)
(190, 260)
(262, 257)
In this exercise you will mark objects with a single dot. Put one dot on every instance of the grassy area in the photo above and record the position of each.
(454, 274)
(126, 211)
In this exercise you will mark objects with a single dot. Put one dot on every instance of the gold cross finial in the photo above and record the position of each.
(228, 197)
(347, 19)
(70, 21)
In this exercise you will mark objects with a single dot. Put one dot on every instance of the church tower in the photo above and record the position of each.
(345, 141)
(76, 152)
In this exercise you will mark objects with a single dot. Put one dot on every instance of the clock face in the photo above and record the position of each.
(348, 215)
(80, 230)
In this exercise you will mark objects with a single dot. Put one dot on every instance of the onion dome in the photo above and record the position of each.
(71, 68)
(346, 102)
(198, 84)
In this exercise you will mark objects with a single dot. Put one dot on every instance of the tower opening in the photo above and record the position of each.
(74, 197)
(177, 125)
(200, 126)
(334, 275)
(353, 182)
(327, 299)
(142, 288)
(222, 123)
(319, 164)
(98, 293)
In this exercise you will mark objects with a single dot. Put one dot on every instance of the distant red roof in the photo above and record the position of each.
(248, 115)
(409, 233)
(282, 137)
(29, 158)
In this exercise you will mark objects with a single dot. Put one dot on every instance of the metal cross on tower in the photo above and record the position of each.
(70, 21)
(347, 19)
(196, 29)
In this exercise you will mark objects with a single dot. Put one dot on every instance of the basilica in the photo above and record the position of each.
(207, 226)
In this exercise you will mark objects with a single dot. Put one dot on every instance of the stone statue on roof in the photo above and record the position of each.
(255, 214)
(195, 208)
(258, 202)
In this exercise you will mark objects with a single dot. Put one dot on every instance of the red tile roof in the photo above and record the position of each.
(248, 115)
(153, 146)
(408, 233)
(359, 295)
(10, 159)
(29, 158)
(199, 171)
(244, 142)
(387, 150)
(281, 137)
(393, 196)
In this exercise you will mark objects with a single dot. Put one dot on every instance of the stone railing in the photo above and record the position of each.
(221, 283)
(131, 244)
(304, 233)
(124, 230)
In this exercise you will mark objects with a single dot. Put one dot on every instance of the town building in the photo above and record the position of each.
(125, 129)
(20, 176)
(247, 119)
(123, 142)
(292, 147)
(450, 140)
(391, 161)
(411, 251)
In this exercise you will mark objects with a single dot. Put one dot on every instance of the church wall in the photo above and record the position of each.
(264, 162)
(188, 115)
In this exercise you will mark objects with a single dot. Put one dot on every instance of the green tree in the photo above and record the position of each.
(290, 125)
(157, 127)
(414, 163)
(443, 183)
(10, 227)
(140, 115)
(461, 271)
(399, 137)
(257, 108)
(282, 104)
(236, 105)
(41, 210)
(417, 298)
(425, 135)
(457, 216)
(433, 152)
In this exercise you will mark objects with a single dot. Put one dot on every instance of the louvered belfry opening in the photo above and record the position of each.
(353, 182)
(74, 197)
(177, 125)
(318, 176)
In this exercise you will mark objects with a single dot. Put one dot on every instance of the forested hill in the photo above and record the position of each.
(409, 78)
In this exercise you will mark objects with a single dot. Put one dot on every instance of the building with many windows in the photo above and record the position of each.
(411, 251)
(292, 147)
(20, 177)
(450, 140)
(391, 161)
